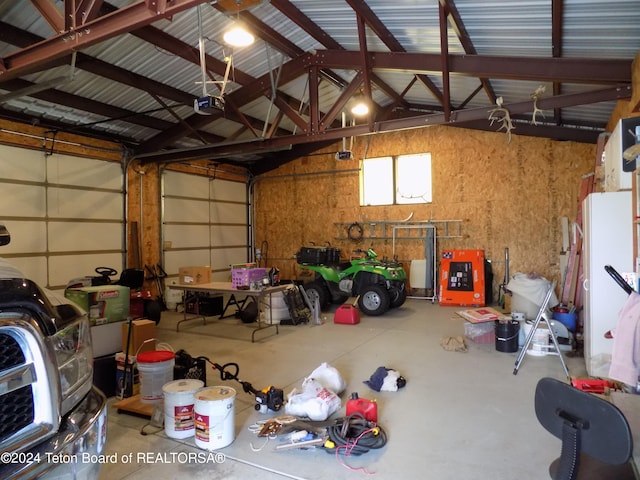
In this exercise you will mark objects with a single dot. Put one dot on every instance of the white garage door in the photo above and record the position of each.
(204, 223)
(65, 214)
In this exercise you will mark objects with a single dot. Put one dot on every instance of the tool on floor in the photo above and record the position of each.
(269, 398)
(354, 435)
(502, 288)
(157, 273)
(532, 332)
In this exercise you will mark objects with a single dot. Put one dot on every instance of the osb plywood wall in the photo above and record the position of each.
(508, 195)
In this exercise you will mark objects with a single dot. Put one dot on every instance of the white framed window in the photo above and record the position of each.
(399, 180)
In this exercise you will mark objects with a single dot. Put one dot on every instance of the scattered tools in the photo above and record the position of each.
(502, 289)
(269, 398)
(157, 273)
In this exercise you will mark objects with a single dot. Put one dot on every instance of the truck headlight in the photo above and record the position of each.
(71, 346)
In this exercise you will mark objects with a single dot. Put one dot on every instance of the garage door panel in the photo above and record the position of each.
(223, 190)
(212, 214)
(175, 260)
(64, 268)
(22, 164)
(66, 237)
(228, 235)
(25, 237)
(34, 267)
(22, 200)
(186, 210)
(177, 184)
(223, 259)
(61, 204)
(228, 213)
(187, 236)
(84, 172)
(85, 204)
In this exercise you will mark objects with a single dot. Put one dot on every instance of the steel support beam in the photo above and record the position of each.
(126, 19)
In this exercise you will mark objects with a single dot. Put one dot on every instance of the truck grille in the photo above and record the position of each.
(16, 408)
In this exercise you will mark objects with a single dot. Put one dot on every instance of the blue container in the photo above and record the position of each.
(567, 319)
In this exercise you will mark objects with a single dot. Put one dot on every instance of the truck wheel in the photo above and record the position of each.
(398, 297)
(317, 290)
(374, 300)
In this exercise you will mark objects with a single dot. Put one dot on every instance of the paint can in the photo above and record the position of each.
(507, 333)
(539, 345)
(155, 369)
(214, 417)
(179, 401)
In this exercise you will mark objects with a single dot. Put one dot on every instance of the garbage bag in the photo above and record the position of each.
(528, 293)
(314, 401)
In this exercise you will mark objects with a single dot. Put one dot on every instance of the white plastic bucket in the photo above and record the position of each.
(179, 401)
(172, 296)
(539, 345)
(215, 417)
(156, 369)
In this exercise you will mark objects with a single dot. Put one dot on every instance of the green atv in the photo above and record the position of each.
(378, 284)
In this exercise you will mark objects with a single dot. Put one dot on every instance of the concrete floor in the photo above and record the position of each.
(461, 414)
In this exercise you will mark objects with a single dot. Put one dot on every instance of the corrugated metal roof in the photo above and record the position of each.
(504, 28)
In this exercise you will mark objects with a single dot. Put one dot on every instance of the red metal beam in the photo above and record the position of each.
(458, 118)
(50, 12)
(444, 55)
(571, 70)
(455, 21)
(375, 24)
(366, 69)
(126, 19)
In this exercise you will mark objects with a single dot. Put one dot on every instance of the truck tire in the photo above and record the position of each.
(374, 300)
(317, 289)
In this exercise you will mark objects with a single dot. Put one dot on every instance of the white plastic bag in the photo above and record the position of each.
(528, 294)
(329, 377)
(314, 401)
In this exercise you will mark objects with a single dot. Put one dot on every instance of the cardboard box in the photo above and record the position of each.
(194, 275)
(103, 304)
(106, 339)
(141, 330)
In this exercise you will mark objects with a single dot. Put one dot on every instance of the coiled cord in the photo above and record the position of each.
(354, 435)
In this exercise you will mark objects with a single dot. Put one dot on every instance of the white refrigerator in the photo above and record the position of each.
(608, 240)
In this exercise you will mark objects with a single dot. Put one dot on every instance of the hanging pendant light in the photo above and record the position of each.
(238, 36)
(360, 106)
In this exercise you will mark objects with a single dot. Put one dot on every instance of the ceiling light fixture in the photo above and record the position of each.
(360, 108)
(238, 37)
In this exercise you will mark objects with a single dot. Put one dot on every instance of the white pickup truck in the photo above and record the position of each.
(52, 418)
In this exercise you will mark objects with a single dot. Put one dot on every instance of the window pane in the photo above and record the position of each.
(413, 179)
(377, 181)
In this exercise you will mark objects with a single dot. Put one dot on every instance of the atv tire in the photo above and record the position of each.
(317, 289)
(374, 300)
(398, 297)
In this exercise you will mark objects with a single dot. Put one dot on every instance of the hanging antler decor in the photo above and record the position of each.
(535, 96)
(502, 115)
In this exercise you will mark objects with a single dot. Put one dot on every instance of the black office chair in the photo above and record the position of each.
(596, 439)
(132, 278)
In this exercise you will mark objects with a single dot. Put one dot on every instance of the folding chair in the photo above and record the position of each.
(596, 438)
